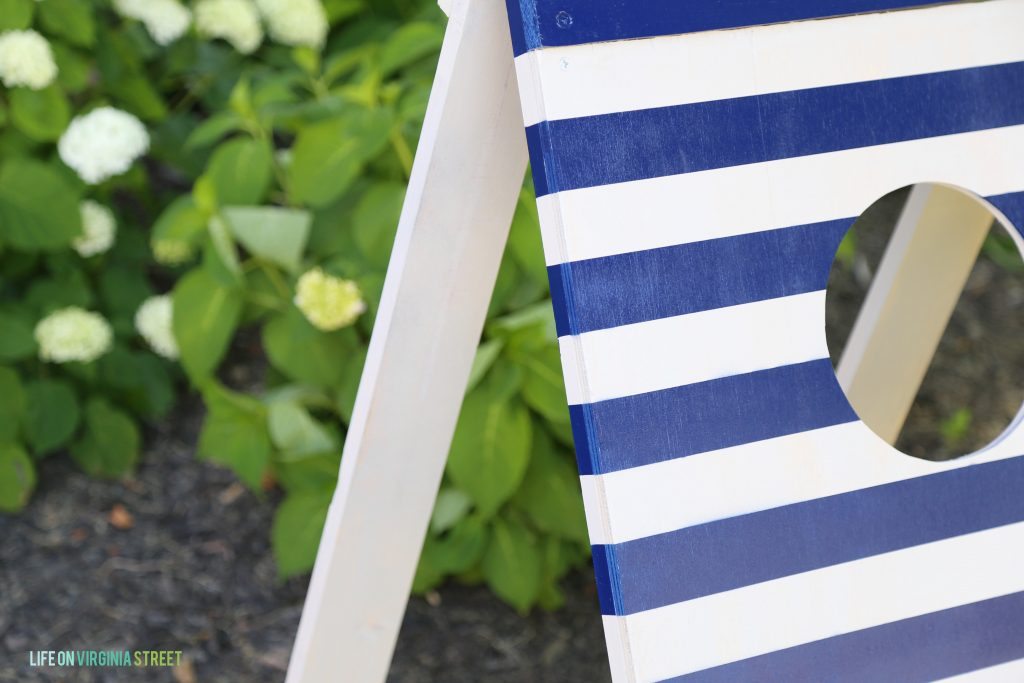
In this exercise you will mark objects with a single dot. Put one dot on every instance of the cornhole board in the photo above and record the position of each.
(697, 164)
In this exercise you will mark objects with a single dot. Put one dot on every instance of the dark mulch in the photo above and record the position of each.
(195, 573)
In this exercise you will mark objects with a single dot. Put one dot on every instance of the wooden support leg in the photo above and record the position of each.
(465, 182)
(908, 306)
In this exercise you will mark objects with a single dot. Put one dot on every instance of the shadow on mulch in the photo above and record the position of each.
(194, 572)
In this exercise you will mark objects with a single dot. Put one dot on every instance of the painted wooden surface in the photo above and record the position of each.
(746, 525)
(912, 296)
(465, 183)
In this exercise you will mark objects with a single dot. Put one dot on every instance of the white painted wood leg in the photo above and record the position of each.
(919, 280)
(468, 172)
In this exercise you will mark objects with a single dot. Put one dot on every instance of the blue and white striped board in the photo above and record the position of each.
(697, 163)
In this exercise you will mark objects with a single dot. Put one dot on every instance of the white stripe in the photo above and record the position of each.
(585, 80)
(675, 494)
(672, 352)
(1003, 673)
(794, 610)
(646, 214)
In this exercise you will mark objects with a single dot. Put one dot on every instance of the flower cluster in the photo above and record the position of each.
(153, 321)
(98, 229)
(103, 143)
(330, 303)
(170, 252)
(73, 334)
(295, 22)
(26, 60)
(236, 21)
(166, 20)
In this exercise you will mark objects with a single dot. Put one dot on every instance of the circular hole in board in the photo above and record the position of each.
(924, 320)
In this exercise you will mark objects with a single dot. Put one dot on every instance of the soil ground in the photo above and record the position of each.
(195, 573)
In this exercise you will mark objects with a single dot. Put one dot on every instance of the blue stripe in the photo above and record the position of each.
(582, 429)
(650, 143)
(574, 22)
(698, 276)
(624, 289)
(538, 156)
(1012, 206)
(740, 551)
(674, 423)
(605, 576)
(925, 648)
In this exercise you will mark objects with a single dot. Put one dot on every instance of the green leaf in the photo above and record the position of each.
(110, 447)
(409, 43)
(348, 385)
(298, 524)
(38, 207)
(512, 565)
(235, 434)
(543, 385)
(485, 357)
(137, 380)
(213, 129)
(124, 289)
(205, 315)
(491, 448)
(16, 338)
(451, 507)
(17, 477)
(73, 69)
(524, 242)
(222, 260)
(342, 9)
(296, 434)
(70, 288)
(956, 426)
(52, 415)
(306, 354)
(460, 548)
(539, 319)
(375, 221)
(124, 77)
(557, 560)
(550, 494)
(240, 171)
(429, 572)
(70, 19)
(40, 114)
(181, 221)
(455, 552)
(329, 156)
(274, 234)
(318, 472)
(13, 404)
(16, 14)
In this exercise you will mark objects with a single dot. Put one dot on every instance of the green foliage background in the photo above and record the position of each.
(262, 167)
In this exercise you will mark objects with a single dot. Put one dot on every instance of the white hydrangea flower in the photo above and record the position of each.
(236, 21)
(172, 252)
(26, 59)
(103, 143)
(295, 22)
(73, 334)
(153, 321)
(98, 229)
(166, 20)
(330, 303)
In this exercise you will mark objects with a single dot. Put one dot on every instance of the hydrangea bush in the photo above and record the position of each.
(186, 184)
